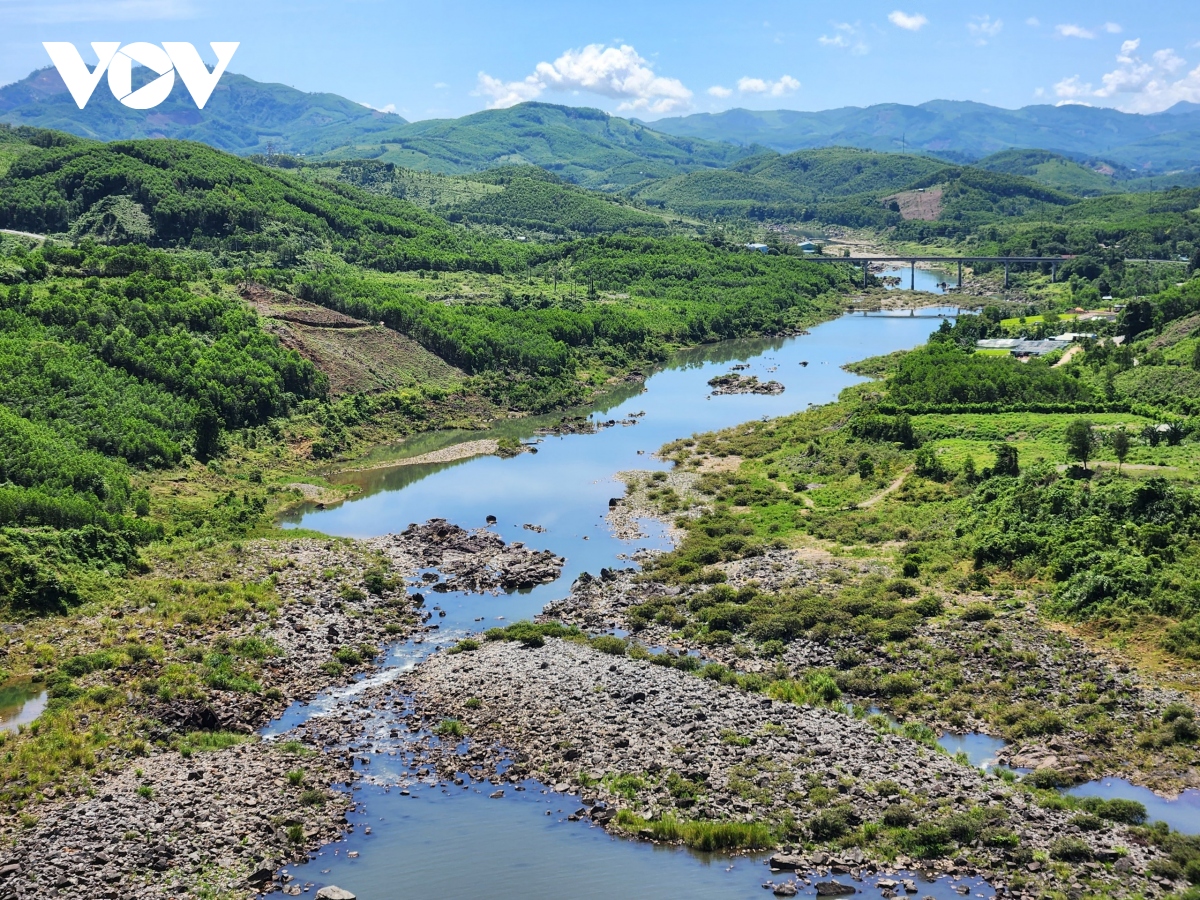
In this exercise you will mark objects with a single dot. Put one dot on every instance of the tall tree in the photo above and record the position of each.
(1081, 441)
(1119, 441)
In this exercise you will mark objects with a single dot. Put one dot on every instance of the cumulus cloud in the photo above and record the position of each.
(1113, 28)
(616, 72)
(845, 37)
(1074, 31)
(984, 28)
(913, 22)
(719, 91)
(1073, 90)
(785, 85)
(388, 108)
(1138, 84)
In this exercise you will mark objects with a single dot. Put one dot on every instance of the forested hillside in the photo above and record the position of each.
(517, 200)
(125, 350)
(586, 146)
(106, 375)
(242, 116)
(965, 131)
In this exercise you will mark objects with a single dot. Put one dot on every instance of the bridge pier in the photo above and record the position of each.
(960, 274)
(1006, 276)
(912, 283)
(866, 271)
(1053, 272)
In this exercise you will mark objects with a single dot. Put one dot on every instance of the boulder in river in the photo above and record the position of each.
(333, 892)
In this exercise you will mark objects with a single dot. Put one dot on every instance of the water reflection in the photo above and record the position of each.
(21, 701)
(1182, 813)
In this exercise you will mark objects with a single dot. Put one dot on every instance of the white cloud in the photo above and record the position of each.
(95, 10)
(1033, 22)
(914, 22)
(389, 108)
(616, 72)
(984, 27)
(1138, 84)
(440, 85)
(1072, 90)
(718, 91)
(845, 37)
(1074, 31)
(1113, 28)
(785, 85)
(1039, 92)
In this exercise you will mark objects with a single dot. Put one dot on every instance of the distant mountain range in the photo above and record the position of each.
(596, 150)
(964, 131)
(243, 116)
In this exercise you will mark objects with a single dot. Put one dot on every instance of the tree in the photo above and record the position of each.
(1006, 461)
(208, 432)
(1081, 441)
(1194, 265)
(1119, 441)
(1196, 356)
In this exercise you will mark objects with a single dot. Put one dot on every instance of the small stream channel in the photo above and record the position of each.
(436, 840)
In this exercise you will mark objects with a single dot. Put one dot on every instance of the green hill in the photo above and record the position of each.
(516, 201)
(839, 184)
(176, 193)
(243, 115)
(586, 146)
(1153, 144)
(1052, 170)
(845, 186)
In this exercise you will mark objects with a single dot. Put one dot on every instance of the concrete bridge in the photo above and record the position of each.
(865, 262)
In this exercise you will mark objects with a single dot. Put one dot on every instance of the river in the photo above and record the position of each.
(436, 841)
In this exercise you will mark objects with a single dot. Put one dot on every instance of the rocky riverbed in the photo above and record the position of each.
(651, 740)
(734, 383)
(208, 806)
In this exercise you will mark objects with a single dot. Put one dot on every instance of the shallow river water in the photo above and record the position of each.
(435, 841)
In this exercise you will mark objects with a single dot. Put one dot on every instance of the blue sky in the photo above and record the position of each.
(659, 57)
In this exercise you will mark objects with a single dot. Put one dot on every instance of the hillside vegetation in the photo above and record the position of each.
(120, 360)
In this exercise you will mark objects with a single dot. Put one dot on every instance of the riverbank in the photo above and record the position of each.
(644, 744)
(201, 804)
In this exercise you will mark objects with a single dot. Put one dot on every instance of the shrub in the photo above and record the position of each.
(899, 816)
(929, 606)
(978, 612)
(1071, 850)
(1088, 822)
(927, 841)
(1046, 779)
(610, 644)
(295, 777)
(351, 594)
(832, 823)
(450, 728)
(466, 645)
(1127, 812)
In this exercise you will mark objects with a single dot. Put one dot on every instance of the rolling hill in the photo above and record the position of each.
(586, 146)
(244, 116)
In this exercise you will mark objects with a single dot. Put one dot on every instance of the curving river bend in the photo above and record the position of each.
(438, 841)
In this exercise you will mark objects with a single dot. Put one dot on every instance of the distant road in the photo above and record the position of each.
(28, 234)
